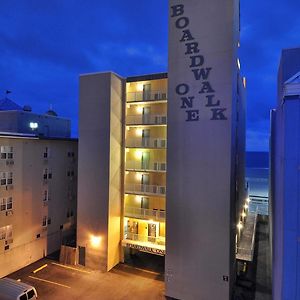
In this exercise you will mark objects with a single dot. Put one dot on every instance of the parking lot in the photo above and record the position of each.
(56, 282)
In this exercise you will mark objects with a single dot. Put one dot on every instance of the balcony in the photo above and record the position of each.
(143, 166)
(156, 143)
(147, 214)
(146, 120)
(145, 189)
(145, 96)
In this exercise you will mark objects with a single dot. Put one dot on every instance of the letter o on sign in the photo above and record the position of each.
(182, 22)
(182, 89)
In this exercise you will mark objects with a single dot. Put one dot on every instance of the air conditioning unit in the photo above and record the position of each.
(9, 212)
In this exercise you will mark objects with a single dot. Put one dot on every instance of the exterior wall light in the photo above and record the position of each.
(139, 132)
(239, 226)
(33, 125)
(138, 154)
(95, 241)
(140, 87)
(139, 109)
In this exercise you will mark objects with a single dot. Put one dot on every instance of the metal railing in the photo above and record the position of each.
(145, 189)
(146, 120)
(143, 166)
(145, 239)
(159, 143)
(143, 213)
(146, 96)
(247, 253)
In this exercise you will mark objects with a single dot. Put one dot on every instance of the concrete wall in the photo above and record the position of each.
(202, 144)
(28, 205)
(100, 161)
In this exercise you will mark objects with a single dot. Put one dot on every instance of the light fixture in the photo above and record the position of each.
(139, 176)
(248, 200)
(139, 109)
(239, 225)
(127, 150)
(127, 172)
(138, 154)
(139, 132)
(95, 241)
(246, 206)
(33, 125)
(238, 63)
(244, 215)
(139, 87)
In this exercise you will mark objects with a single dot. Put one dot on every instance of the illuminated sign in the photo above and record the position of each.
(160, 252)
(201, 73)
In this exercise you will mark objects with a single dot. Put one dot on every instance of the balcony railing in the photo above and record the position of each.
(145, 189)
(146, 96)
(143, 213)
(159, 143)
(146, 120)
(145, 239)
(144, 166)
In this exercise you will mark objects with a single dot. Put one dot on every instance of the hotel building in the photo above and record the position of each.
(38, 194)
(161, 157)
(284, 179)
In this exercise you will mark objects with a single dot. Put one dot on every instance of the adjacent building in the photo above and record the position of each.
(284, 179)
(38, 191)
(14, 118)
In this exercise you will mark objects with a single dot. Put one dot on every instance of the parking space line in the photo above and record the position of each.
(40, 268)
(52, 282)
(71, 268)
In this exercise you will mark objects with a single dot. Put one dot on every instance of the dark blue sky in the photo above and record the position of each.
(45, 45)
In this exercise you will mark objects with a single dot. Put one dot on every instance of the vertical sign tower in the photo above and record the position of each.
(202, 148)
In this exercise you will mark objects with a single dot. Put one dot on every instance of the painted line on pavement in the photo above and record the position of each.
(48, 281)
(71, 268)
(40, 268)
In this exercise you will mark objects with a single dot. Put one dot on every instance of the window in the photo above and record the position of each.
(46, 196)
(2, 204)
(45, 174)
(6, 152)
(47, 152)
(49, 221)
(9, 203)
(30, 294)
(6, 178)
(3, 178)
(6, 203)
(9, 178)
(6, 232)
(44, 223)
(23, 297)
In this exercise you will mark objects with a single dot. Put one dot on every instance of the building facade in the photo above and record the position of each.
(161, 157)
(284, 179)
(38, 185)
(14, 118)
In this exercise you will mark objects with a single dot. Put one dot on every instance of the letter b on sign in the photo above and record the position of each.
(177, 10)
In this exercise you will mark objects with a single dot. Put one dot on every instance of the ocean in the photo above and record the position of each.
(257, 176)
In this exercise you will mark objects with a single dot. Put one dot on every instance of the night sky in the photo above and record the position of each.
(46, 44)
